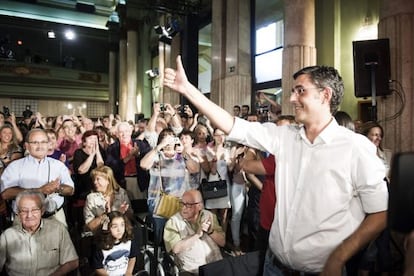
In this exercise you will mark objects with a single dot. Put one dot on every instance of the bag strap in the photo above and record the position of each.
(217, 172)
(159, 172)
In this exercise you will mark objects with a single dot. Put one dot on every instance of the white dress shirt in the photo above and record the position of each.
(28, 173)
(324, 189)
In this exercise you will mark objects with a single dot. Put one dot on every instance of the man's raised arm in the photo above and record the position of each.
(177, 80)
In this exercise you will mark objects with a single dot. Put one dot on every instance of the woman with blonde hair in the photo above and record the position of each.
(108, 196)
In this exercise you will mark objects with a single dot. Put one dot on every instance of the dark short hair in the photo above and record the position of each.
(344, 120)
(187, 132)
(325, 76)
(88, 133)
(289, 118)
(163, 133)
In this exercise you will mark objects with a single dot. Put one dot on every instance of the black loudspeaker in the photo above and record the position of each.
(371, 55)
(401, 200)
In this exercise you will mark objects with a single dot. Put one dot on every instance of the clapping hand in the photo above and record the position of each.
(51, 187)
(124, 207)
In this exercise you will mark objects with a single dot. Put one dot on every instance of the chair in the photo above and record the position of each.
(152, 261)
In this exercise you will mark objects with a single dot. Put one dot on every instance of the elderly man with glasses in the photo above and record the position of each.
(37, 171)
(194, 234)
(36, 246)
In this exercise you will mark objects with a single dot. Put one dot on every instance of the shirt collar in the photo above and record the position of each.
(20, 227)
(326, 136)
(32, 159)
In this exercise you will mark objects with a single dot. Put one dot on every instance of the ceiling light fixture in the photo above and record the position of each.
(51, 34)
(70, 35)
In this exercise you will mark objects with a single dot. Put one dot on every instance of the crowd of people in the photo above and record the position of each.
(305, 192)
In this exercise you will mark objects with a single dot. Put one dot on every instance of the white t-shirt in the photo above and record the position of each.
(115, 260)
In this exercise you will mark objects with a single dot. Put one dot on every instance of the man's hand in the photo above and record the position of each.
(333, 267)
(206, 225)
(50, 187)
(176, 79)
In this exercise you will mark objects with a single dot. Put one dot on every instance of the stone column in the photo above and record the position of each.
(123, 86)
(299, 44)
(231, 70)
(397, 24)
(113, 30)
(168, 55)
(132, 41)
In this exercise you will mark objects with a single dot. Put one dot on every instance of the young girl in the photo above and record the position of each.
(116, 251)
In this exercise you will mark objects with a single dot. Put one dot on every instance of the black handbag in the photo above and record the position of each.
(213, 189)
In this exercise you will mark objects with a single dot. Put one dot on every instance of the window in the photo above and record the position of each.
(268, 55)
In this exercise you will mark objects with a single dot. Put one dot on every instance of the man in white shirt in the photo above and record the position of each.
(331, 196)
(37, 171)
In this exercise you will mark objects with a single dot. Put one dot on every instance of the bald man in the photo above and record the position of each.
(194, 234)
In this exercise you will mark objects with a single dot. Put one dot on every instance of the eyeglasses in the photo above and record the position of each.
(38, 142)
(187, 204)
(299, 90)
(25, 212)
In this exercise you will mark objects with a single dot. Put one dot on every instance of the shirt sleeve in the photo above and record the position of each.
(67, 249)
(90, 208)
(261, 136)
(369, 178)
(98, 259)
(65, 177)
(216, 224)
(9, 178)
(134, 252)
(171, 235)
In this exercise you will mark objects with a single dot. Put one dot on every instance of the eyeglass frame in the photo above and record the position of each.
(37, 143)
(300, 90)
(188, 205)
(35, 211)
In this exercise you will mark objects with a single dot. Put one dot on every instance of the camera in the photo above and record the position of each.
(27, 113)
(182, 109)
(162, 107)
(6, 112)
(177, 141)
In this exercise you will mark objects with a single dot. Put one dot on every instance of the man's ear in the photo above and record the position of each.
(327, 95)
(43, 210)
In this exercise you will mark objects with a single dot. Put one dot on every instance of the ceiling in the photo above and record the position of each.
(94, 13)
(29, 21)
